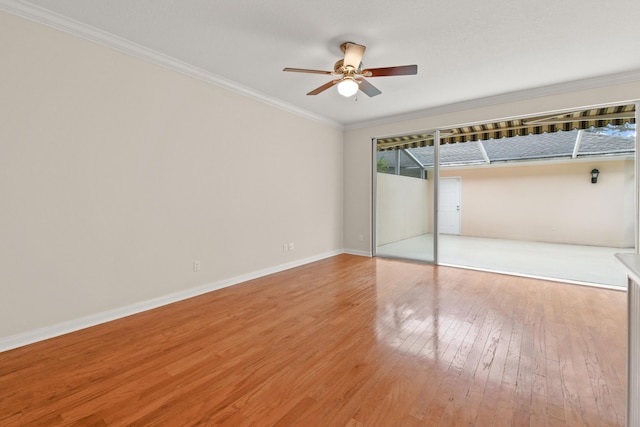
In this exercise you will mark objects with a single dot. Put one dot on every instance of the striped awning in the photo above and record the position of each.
(597, 117)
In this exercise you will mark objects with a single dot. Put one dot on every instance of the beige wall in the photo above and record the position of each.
(404, 207)
(357, 147)
(115, 174)
(549, 202)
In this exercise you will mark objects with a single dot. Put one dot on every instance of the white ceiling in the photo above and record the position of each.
(464, 49)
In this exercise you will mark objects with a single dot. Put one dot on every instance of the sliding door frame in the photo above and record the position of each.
(436, 185)
(636, 184)
(374, 195)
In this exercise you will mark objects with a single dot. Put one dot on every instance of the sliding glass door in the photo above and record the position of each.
(552, 196)
(556, 205)
(404, 195)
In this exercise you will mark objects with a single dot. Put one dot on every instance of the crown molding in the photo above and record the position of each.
(87, 32)
(523, 95)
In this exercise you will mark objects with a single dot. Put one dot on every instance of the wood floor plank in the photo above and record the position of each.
(346, 341)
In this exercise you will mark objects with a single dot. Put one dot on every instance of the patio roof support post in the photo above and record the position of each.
(576, 146)
(397, 162)
(483, 151)
(416, 161)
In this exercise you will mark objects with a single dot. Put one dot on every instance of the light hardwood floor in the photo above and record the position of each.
(347, 341)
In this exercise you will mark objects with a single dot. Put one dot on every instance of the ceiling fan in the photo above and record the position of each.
(352, 75)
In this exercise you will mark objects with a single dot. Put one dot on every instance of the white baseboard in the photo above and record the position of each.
(58, 329)
(359, 253)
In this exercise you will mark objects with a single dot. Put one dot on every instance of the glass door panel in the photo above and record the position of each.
(556, 205)
(404, 205)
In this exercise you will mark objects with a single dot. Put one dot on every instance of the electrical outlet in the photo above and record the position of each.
(285, 247)
(291, 246)
(196, 266)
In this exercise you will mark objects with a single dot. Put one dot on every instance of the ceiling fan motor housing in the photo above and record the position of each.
(340, 68)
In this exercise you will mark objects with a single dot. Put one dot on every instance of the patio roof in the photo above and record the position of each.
(585, 119)
(557, 145)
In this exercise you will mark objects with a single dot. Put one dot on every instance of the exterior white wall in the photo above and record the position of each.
(545, 202)
(357, 147)
(549, 202)
(116, 174)
(404, 208)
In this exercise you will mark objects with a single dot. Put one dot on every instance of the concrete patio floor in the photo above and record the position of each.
(591, 265)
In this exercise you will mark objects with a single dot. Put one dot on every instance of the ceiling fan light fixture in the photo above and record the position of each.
(348, 87)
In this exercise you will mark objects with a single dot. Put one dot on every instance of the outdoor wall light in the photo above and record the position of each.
(594, 175)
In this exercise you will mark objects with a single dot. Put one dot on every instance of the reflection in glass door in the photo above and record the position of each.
(404, 195)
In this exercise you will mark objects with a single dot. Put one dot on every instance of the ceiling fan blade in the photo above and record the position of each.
(323, 87)
(353, 55)
(403, 70)
(368, 88)
(305, 70)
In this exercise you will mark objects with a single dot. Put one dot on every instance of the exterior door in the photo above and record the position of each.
(449, 205)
